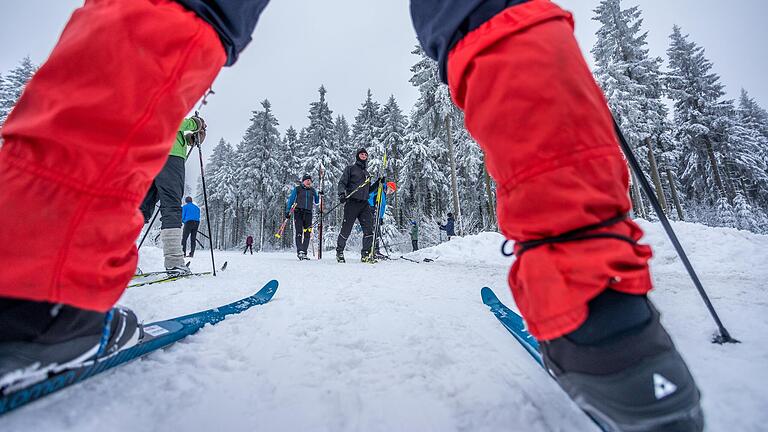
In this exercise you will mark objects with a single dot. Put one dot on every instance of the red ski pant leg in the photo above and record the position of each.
(92, 129)
(533, 106)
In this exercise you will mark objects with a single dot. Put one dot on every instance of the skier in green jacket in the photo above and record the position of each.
(168, 188)
(415, 235)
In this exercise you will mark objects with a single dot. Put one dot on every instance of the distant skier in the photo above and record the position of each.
(390, 189)
(414, 235)
(306, 198)
(449, 226)
(190, 217)
(84, 143)
(248, 245)
(354, 188)
(168, 188)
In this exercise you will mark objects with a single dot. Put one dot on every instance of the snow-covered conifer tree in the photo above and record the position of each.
(343, 138)
(320, 144)
(221, 184)
(631, 81)
(12, 85)
(393, 124)
(699, 110)
(258, 183)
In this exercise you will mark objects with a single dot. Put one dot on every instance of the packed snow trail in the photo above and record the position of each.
(402, 346)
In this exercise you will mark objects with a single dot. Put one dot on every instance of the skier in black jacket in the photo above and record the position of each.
(354, 187)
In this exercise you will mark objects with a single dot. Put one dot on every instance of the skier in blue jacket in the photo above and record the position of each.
(305, 197)
(190, 217)
(449, 226)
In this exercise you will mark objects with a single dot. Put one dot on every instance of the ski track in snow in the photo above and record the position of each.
(401, 346)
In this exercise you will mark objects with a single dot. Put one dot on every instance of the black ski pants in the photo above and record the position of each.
(247, 247)
(302, 222)
(360, 211)
(190, 229)
(168, 188)
(415, 244)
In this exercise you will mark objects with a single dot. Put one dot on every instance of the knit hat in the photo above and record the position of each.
(360, 150)
(391, 185)
(306, 177)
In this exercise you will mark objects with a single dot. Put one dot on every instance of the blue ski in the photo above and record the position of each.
(513, 322)
(157, 335)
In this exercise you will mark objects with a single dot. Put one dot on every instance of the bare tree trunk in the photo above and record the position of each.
(489, 197)
(655, 176)
(637, 197)
(224, 229)
(673, 192)
(716, 169)
(261, 232)
(454, 183)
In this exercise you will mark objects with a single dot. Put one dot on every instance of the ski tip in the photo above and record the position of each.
(224, 267)
(488, 296)
(268, 290)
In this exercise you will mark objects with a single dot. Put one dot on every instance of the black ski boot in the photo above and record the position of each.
(622, 368)
(180, 270)
(340, 256)
(368, 258)
(302, 256)
(38, 338)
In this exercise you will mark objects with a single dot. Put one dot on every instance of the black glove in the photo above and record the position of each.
(381, 222)
(287, 215)
(321, 193)
(199, 122)
(342, 198)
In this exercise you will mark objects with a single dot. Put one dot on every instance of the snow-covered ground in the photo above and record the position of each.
(402, 346)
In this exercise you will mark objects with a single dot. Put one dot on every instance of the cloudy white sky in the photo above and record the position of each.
(352, 45)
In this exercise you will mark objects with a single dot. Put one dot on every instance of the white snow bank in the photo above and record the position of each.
(483, 248)
(401, 346)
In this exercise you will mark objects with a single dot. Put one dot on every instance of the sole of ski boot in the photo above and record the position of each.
(656, 395)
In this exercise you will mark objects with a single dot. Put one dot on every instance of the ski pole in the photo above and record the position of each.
(322, 215)
(280, 231)
(146, 233)
(724, 336)
(205, 198)
(349, 195)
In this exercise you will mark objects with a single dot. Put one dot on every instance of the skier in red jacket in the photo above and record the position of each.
(91, 131)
